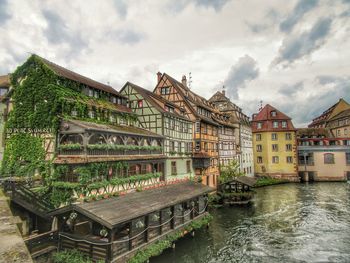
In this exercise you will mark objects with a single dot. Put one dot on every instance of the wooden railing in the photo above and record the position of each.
(107, 152)
(41, 241)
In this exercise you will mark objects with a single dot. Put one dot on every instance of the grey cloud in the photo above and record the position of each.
(127, 36)
(243, 71)
(257, 28)
(179, 5)
(303, 113)
(297, 46)
(121, 8)
(290, 90)
(298, 12)
(4, 15)
(57, 32)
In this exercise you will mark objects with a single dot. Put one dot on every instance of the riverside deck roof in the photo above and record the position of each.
(116, 210)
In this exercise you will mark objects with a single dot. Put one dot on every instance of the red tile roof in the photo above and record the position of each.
(266, 119)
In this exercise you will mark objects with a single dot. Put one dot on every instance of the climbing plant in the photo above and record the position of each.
(41, 98)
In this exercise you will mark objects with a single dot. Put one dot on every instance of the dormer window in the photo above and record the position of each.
(273, 113)
(169, 108)
(284, 124)
(259, 125)
(165, 90)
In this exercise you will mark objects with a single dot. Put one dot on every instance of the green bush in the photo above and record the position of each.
(71, 256)
(269, 181)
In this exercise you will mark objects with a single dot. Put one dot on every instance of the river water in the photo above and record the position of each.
(286, 223)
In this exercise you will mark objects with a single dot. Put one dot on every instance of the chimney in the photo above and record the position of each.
(159, 76)
(184, 80)
(223, 92)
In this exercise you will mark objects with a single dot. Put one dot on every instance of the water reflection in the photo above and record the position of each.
(287, 223)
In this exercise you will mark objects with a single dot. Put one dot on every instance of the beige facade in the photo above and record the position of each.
(324, 163)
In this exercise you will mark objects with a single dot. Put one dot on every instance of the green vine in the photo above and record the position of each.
(157, 248)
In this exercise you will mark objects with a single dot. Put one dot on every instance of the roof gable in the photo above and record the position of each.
(265, 114)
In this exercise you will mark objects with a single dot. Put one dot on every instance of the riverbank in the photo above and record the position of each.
(12, 247)
(269, 181)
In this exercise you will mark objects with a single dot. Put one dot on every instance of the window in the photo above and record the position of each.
(275, 124)
(205, 130)
(259, 159)
(172, 146)
(188, 166)
(288, 136)
(273, 113)
(172, 124)
(198, 146)
(275, 159)
(140, 103)
(91, 93)
(3, 91)
(329, 158)
(206, 146)
(198, 127)
(189, 147)
(288, 147)
(114, 99)
(289, 159)
(258, 137)
(259, 125)
(169, 108)
(259, 148)
(165, 90)
(275, 147)
(274, 136)
(173, 168)
(347, 156)
(284, 124)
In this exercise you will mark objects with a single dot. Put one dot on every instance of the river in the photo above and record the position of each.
(286, 223)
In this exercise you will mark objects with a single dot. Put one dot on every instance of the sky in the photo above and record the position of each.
(294, 55)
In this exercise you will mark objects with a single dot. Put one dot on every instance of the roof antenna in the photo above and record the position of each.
(189, 80)
(261, 103)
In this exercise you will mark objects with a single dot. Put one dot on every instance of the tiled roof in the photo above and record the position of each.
(345, 113)
(66, 73)
(5, 80)
(266, 119)
(114, 128)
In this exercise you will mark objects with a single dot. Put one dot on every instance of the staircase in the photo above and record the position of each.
(23, 196)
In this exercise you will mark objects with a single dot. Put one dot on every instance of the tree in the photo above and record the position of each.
(229, 172)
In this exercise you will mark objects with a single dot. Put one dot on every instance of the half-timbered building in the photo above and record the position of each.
(165, 118)
(243, 148)
(205, 133)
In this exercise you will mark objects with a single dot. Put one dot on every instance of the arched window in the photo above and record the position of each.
(131, 141)
(97, 139)
(329, 158)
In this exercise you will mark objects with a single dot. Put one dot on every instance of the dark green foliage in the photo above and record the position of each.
(157, 248)
(269, 181)
(71, 256)
(23, 156)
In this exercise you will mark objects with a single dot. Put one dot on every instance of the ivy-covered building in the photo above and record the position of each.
(74, 132)
(165, 118)
(4, 104)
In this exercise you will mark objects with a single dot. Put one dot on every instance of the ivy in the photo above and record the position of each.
(72, 146)
(122, 147)
(24, 155)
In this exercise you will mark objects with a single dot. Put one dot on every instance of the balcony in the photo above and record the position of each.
(201, 160)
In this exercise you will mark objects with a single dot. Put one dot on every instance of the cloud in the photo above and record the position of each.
(242, 72)
(121, 8)
(179, 5)
(290, 90)
(57, 32)
(127, 36)
(296, 46)
(298, 12)
(4, 15)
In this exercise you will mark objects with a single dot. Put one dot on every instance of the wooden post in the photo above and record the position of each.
(110, 247)
(146, 225)
(172, 224)
(160, 222)
(130, 236)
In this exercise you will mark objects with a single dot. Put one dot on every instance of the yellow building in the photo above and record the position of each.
(274, 144)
